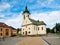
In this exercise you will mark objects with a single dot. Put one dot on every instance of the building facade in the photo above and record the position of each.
(31, 26)
(6, 31)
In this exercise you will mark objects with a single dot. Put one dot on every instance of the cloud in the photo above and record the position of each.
(16, 22)
(50, 18)
(46, 3)
(2, 16)
(4, 6)
(13, 8)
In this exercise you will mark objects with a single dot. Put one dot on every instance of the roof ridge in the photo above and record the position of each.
(37, 22)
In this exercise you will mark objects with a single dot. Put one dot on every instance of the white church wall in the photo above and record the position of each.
(42, 29)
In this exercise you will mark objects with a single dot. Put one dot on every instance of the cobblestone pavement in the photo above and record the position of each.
(22, 41)
(53, 39)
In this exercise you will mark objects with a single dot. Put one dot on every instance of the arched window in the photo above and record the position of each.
(0, 29)
(34, 27)
(29, 32)
(0, 34)
(29, 28)
(24, 16)
(38, 28)
(23, 29)
(42, 28)
(7, 31)
(23, 32)
(26, 26)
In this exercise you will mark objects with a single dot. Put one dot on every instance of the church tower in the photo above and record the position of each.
(26, 13)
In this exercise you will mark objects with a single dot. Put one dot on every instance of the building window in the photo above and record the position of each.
(42, 28)
(0, 34)
(24, 16)
(0, 29)
(26, 26)
(29, 28)
(38, 28)
(34, 27)
(23, 29)
(28, 15)
(29, 32)
(7, 32)
(23, 32)
(26, 21)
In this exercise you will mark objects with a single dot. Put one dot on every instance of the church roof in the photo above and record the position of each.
(37, 22)
(26, 10)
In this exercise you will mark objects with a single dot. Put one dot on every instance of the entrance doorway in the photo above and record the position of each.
(25, 32)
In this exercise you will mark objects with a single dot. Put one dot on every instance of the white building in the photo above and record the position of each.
(30, 26)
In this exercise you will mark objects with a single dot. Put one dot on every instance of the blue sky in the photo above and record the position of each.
(43, 10)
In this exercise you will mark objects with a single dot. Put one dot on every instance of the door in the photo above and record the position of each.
(25, 32)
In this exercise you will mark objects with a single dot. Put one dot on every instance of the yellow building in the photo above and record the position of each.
(14, 32)
(6, 31)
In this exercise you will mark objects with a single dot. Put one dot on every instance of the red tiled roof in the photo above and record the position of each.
(4, 25)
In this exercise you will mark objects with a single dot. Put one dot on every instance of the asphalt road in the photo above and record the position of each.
(22, 41)
(10, 41)
(53, 39)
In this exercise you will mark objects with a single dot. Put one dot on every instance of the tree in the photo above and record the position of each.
(58, 27)
(18, 30)
(48, 30)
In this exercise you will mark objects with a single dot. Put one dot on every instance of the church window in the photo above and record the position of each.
(26, 26)
(29, 28)
(42, 28)
(34, 27)
(26, 21)
(28, 15)
(29, 32)
(23, 29)
(38, 28)
(24, 16)
(23, 32)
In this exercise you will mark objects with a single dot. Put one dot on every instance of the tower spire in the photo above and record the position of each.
(26, 10)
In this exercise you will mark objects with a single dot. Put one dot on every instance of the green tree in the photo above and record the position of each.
(58, 27)
(48, 30)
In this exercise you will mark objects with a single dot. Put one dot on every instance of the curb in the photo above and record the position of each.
(46, 42)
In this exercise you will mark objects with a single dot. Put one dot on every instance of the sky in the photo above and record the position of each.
(43, 10)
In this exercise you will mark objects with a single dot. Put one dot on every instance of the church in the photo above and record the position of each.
(31, 26)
